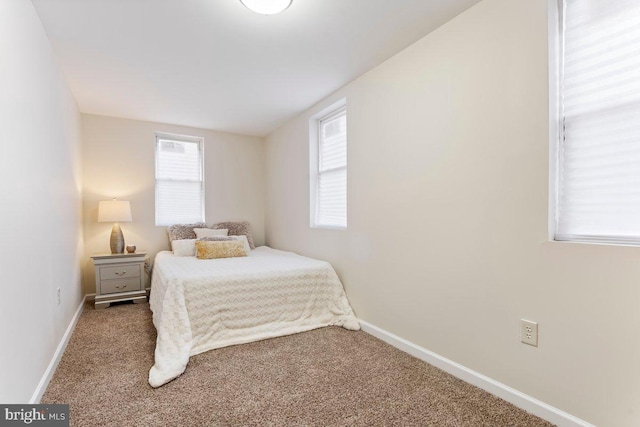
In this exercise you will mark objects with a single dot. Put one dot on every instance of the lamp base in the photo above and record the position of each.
(117, 239)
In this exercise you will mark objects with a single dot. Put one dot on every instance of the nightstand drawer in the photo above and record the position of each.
(119, 272)
(119, 285)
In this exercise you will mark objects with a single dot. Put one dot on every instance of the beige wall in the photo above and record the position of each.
(40, 208)
(447, 240)
(119, 161)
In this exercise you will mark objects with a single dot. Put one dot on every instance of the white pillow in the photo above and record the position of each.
(208, 232)
(186, 247)
(244, 241)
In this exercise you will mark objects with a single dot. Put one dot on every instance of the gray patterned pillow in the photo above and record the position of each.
(215, 239)
(184, 231)
(237, 228)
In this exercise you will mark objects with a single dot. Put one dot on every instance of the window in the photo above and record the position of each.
(328, 163)
(598, 160)
(179, 180)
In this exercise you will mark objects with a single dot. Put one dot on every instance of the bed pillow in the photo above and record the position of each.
(245, 241)
(184, 247)
(183, 231)
(207, 232)
(220, 249)
(242, 238)
(217, 239)
(237, 228)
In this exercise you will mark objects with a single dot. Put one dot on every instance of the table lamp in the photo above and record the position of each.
(115, 211)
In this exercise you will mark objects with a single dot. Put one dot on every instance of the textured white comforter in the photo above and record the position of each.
(199, 305)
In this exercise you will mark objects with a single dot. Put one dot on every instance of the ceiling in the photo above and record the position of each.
(214, 64)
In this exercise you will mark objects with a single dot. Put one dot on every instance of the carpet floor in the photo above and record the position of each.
(325, 377)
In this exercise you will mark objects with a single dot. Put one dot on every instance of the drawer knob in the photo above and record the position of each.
(120, 273)
(121, 286)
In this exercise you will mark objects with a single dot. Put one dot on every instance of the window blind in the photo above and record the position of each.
(331, 191)
(179, 182)
(599, 158)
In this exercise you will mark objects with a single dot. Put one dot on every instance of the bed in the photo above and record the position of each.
(200, 305)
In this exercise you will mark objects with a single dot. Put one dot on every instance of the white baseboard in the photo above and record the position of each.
(48, 374)
(515, 397)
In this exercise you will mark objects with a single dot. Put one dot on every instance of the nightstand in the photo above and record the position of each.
(119, 277)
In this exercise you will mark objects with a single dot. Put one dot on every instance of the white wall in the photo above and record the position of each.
(40, 184)
(447, 196)
(119, 161)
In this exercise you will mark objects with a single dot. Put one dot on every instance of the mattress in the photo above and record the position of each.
(200, 305)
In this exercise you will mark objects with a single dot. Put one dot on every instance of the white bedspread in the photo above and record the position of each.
(200, 305)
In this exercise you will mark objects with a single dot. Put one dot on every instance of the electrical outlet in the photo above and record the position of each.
(58, 295)
(529, 332)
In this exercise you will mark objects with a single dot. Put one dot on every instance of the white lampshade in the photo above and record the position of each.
(114, 211)
(267, 7)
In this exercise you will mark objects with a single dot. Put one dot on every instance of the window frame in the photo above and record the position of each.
(555, 27)
(162, 136)
(315, 123)
(555, 54)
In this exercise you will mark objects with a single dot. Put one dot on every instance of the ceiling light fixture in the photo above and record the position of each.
(267, 7)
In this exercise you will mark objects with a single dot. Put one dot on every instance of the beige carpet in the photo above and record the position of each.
(326, 377)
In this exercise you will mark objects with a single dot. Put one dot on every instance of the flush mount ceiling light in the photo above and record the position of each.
(267, 7)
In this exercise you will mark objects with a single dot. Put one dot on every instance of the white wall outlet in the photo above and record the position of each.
(529, 332)
(58, 295)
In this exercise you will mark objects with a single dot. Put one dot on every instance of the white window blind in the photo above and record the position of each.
(179, 180)
(331, 178)
(599, 158)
